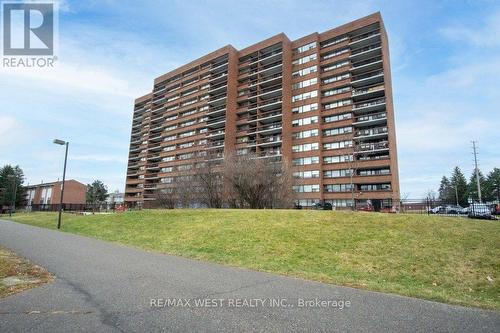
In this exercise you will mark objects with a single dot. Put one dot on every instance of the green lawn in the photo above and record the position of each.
(436, 258)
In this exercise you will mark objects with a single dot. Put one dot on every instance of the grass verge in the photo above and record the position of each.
(18, 274)
(445, 259)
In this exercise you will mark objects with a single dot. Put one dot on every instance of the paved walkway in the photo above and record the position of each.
(103, 287)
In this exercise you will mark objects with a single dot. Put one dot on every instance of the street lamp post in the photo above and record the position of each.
(62, 143)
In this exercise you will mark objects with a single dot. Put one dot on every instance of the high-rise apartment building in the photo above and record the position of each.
(323, 103)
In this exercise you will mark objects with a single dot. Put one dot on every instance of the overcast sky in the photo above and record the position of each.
(445, 68)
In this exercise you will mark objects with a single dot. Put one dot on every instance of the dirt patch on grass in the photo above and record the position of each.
(18, 274)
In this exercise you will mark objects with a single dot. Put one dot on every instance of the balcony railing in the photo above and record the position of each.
(356, 92)
(363, 36)
(377, 116)
(371, 131)
(367, 147)
(365, 49)
(367, 75)
(370, 103)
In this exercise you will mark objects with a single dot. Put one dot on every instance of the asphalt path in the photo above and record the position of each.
(105, 287)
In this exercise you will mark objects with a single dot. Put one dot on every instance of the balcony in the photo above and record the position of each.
(217, 100)
(366, 52)
(269, 153)
(369, 78)
(377, 104)
(264, 106)
(276, 128)
(216, 122)
(218, 78)
(375, 91)
(213, 111)
(216, 134)
(372, 119)
(270, 141)
(216, 156)
(269, 69)
(364, 39)
(217, 87)
(265, 80)
(216, 144)
(374, 147)
(371, 133)
(366, 65)
(218, 67)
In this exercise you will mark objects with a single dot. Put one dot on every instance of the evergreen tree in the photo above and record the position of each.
(11, 179)
(445, 189)
(458, 182)
(472, 186)
(97, 193)
(492, 186)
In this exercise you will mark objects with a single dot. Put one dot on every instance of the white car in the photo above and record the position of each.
(480, 211)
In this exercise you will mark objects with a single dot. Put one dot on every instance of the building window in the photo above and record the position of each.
(305, 83)
(337, 173)
(306, 174)
(336, 91)
(338, 117)
(337, 159)
(334, 41)
(305, 59)
(336, 104)
(334, 53)
(305, 121)
(306, 95)
(335, 65)
(305, 134)
(305, 71)
(306, 188)
(305, 108)
(337, 131)
(338, 187)
(304, 48)
(375, 187)
(306, 160)
(335, 78)
(337, 145)
(305, 147)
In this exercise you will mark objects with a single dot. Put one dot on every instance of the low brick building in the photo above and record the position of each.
(50, 193)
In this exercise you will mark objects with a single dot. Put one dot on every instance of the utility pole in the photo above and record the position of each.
(477, 171)
(456, 193)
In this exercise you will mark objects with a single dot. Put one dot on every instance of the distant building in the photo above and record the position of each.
(115, 198)
(50, 193)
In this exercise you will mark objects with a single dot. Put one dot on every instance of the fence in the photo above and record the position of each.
(446, 208)
(72, 207)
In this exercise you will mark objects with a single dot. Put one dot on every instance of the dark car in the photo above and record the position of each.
(322, 206)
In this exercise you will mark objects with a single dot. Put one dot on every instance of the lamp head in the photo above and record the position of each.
(59, 142)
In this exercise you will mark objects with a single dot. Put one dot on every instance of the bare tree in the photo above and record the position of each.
(257, 182)
(166, 198)
(210, 183)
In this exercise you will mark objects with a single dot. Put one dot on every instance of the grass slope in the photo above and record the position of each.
(431, 257)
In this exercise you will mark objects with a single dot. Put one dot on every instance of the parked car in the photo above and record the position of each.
(453, 209)
(479, 211)
(448, 209)
(495, 209)
(436, 210)
(322, 206)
